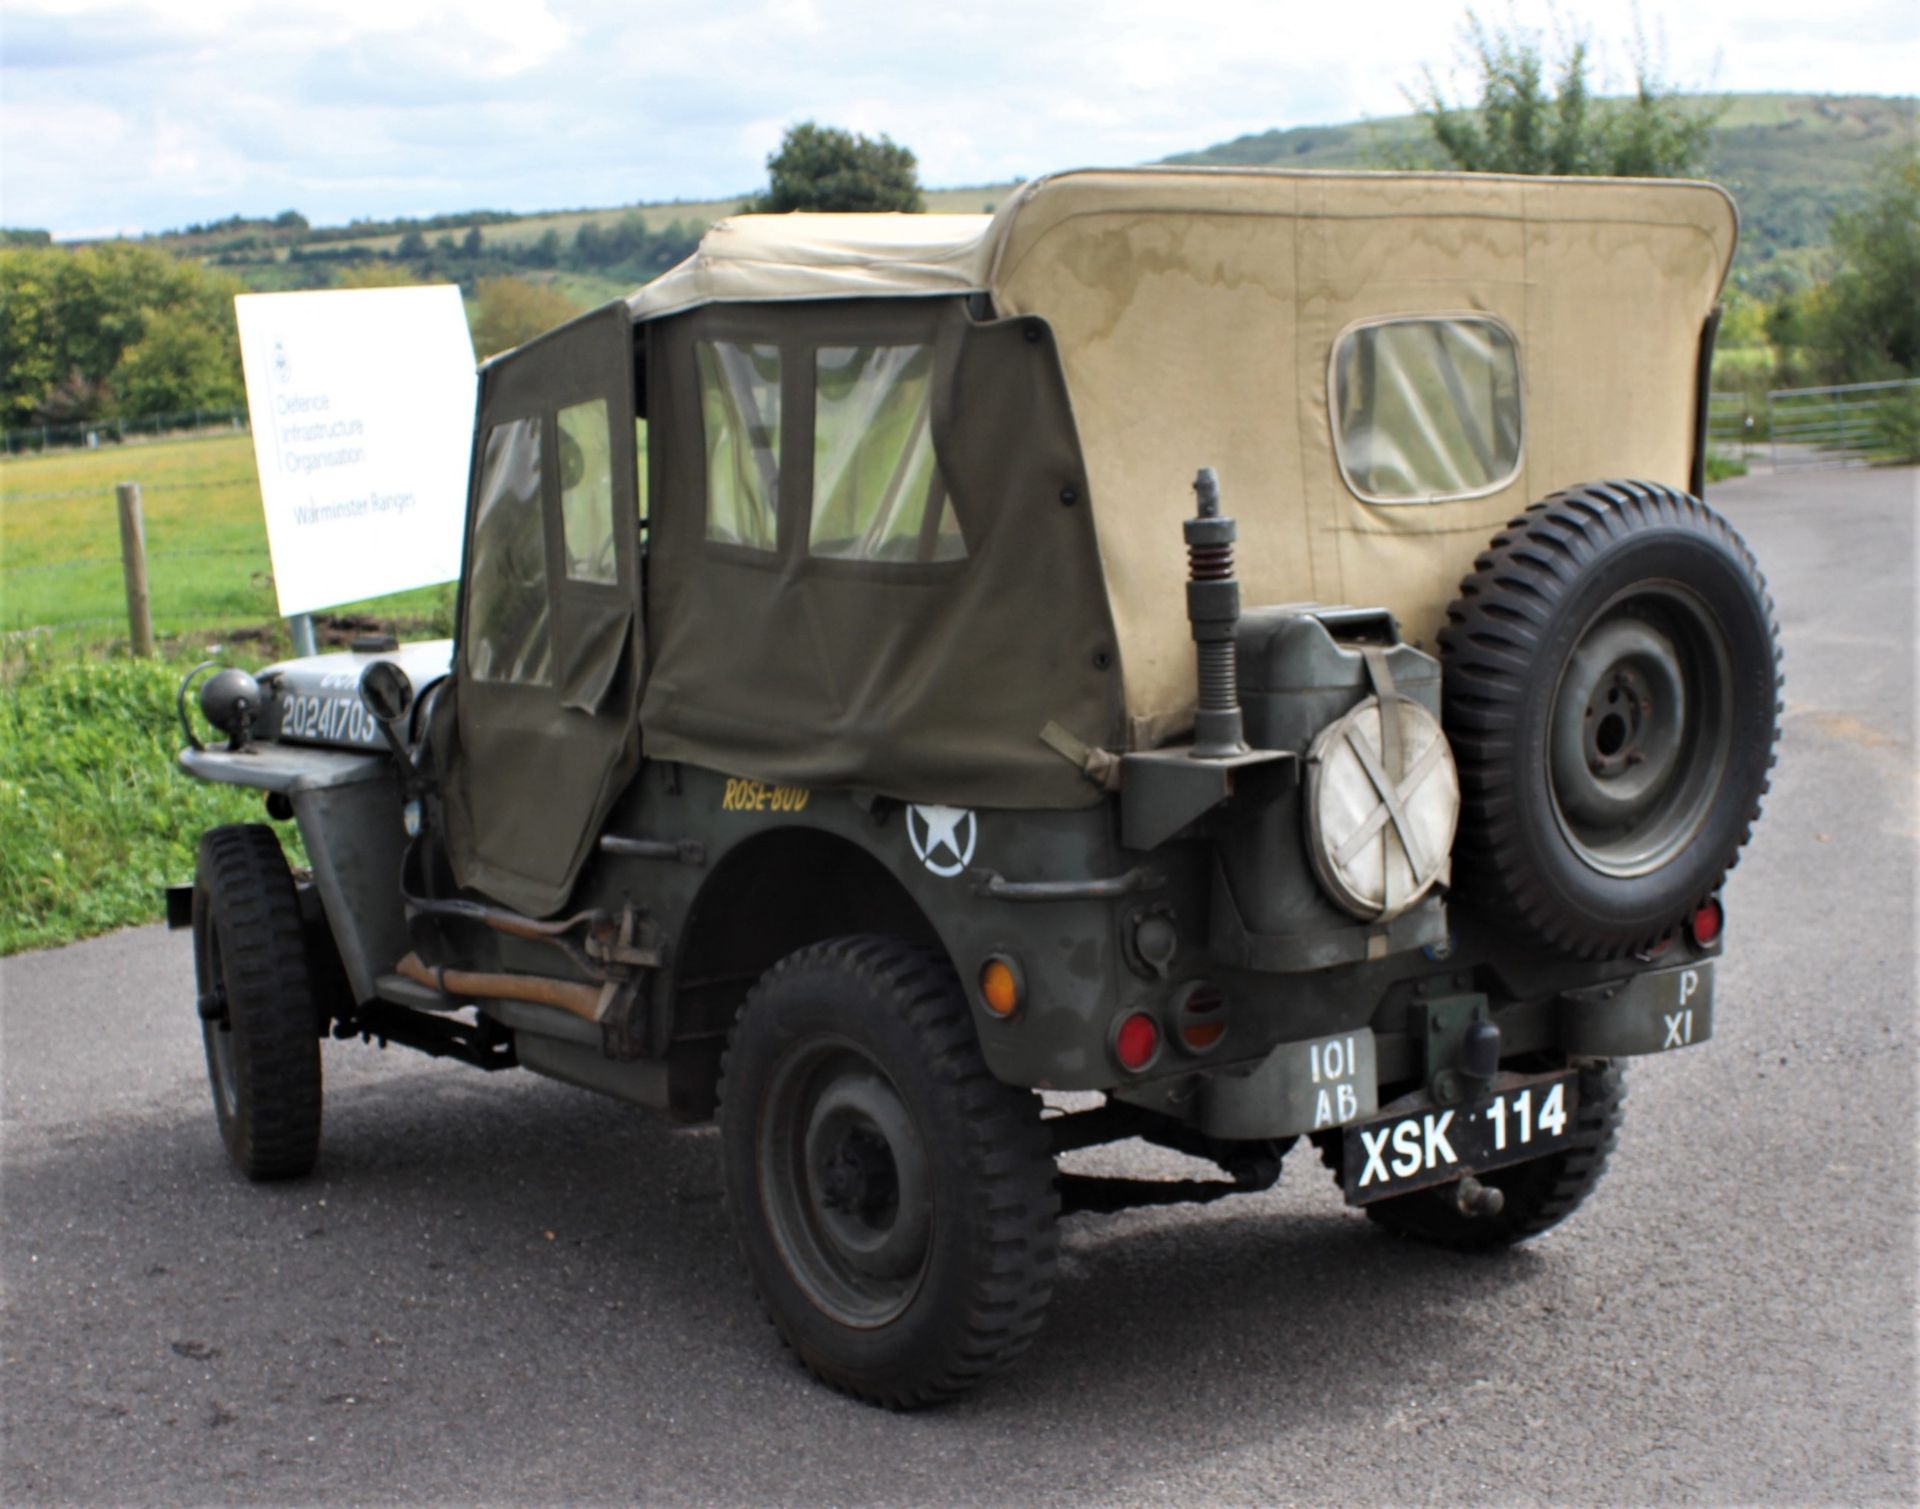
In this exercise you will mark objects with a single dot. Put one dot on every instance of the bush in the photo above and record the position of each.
(96, 819)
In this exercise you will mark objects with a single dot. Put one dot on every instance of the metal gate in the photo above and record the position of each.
(1837, 426)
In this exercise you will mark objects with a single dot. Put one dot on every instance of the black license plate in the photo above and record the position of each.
(1526, 1117)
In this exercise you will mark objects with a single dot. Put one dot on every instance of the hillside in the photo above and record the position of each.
(1791, 160)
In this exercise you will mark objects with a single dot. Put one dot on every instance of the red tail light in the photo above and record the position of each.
(1137, 1041)
(1706, 924)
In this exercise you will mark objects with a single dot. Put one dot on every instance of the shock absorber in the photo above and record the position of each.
(1213, 610)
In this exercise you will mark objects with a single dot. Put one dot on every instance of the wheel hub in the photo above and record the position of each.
(1638, 733)
(858, 1179)
(1617, 721)
(852, 1211)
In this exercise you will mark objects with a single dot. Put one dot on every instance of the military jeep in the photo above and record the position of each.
(1183, 638)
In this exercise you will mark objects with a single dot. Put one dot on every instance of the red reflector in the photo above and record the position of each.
(1707, 923)
(1137, 1041)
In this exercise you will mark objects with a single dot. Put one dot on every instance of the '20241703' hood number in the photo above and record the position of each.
(328, 720)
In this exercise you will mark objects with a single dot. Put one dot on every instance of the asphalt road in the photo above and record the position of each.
(501, 1289)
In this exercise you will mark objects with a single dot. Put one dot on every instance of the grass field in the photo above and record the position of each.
(61, 586)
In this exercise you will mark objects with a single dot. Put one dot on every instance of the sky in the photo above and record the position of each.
(143, 115)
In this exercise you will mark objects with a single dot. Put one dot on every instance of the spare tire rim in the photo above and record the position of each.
(1641, 729)
(844, 1183)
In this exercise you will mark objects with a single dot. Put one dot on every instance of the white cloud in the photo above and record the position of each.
(160, 112)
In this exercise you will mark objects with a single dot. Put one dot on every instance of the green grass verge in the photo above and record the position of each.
(95, 817)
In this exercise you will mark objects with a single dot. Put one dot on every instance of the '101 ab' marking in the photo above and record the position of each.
(1335, 1098)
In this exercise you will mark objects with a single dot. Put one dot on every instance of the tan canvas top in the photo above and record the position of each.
(779, 257)
(1196, 312)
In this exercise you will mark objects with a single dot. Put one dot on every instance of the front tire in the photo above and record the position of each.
(259, 1020)
(894, 1202)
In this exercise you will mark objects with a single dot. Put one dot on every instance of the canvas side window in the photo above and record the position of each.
(586, 491)
(740, 414)
(877, 492)
(508, 634)
(1427, 409)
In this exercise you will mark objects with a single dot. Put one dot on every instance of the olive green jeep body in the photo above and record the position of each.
(908, 663)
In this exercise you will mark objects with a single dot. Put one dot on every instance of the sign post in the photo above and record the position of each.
(362, 403)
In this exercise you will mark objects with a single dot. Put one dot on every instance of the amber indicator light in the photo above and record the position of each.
(1000, 987)
(1201, 1019)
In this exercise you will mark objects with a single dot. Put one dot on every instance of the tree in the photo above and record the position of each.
(826, 168)
(1523, 125)
(179, 363)
(1866, 322)
(508, 311)
(69, 320)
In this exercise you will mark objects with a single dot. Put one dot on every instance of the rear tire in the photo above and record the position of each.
(894, 1202)
(259, 1017)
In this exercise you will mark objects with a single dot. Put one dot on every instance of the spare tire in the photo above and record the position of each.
(1612, 691)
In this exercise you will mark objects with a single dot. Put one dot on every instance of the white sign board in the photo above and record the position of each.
(362, 404)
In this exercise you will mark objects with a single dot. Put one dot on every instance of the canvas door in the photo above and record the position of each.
(550, 641)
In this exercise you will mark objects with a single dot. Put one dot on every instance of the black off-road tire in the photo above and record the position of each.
(1612, 696)
(1538, 1195)
(853, 1079)
(259, 1018)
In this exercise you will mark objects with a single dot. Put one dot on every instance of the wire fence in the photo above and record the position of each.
(81, 603)
(91, 434)
(205, 577)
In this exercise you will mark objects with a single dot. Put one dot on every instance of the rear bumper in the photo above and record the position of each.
(1323, 1083)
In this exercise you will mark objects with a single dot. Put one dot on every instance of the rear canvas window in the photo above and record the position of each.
(877, 493)
(1427, 409)
(507, 631)
(740, 414)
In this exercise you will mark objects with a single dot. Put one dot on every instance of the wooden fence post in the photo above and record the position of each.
(133, 561)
